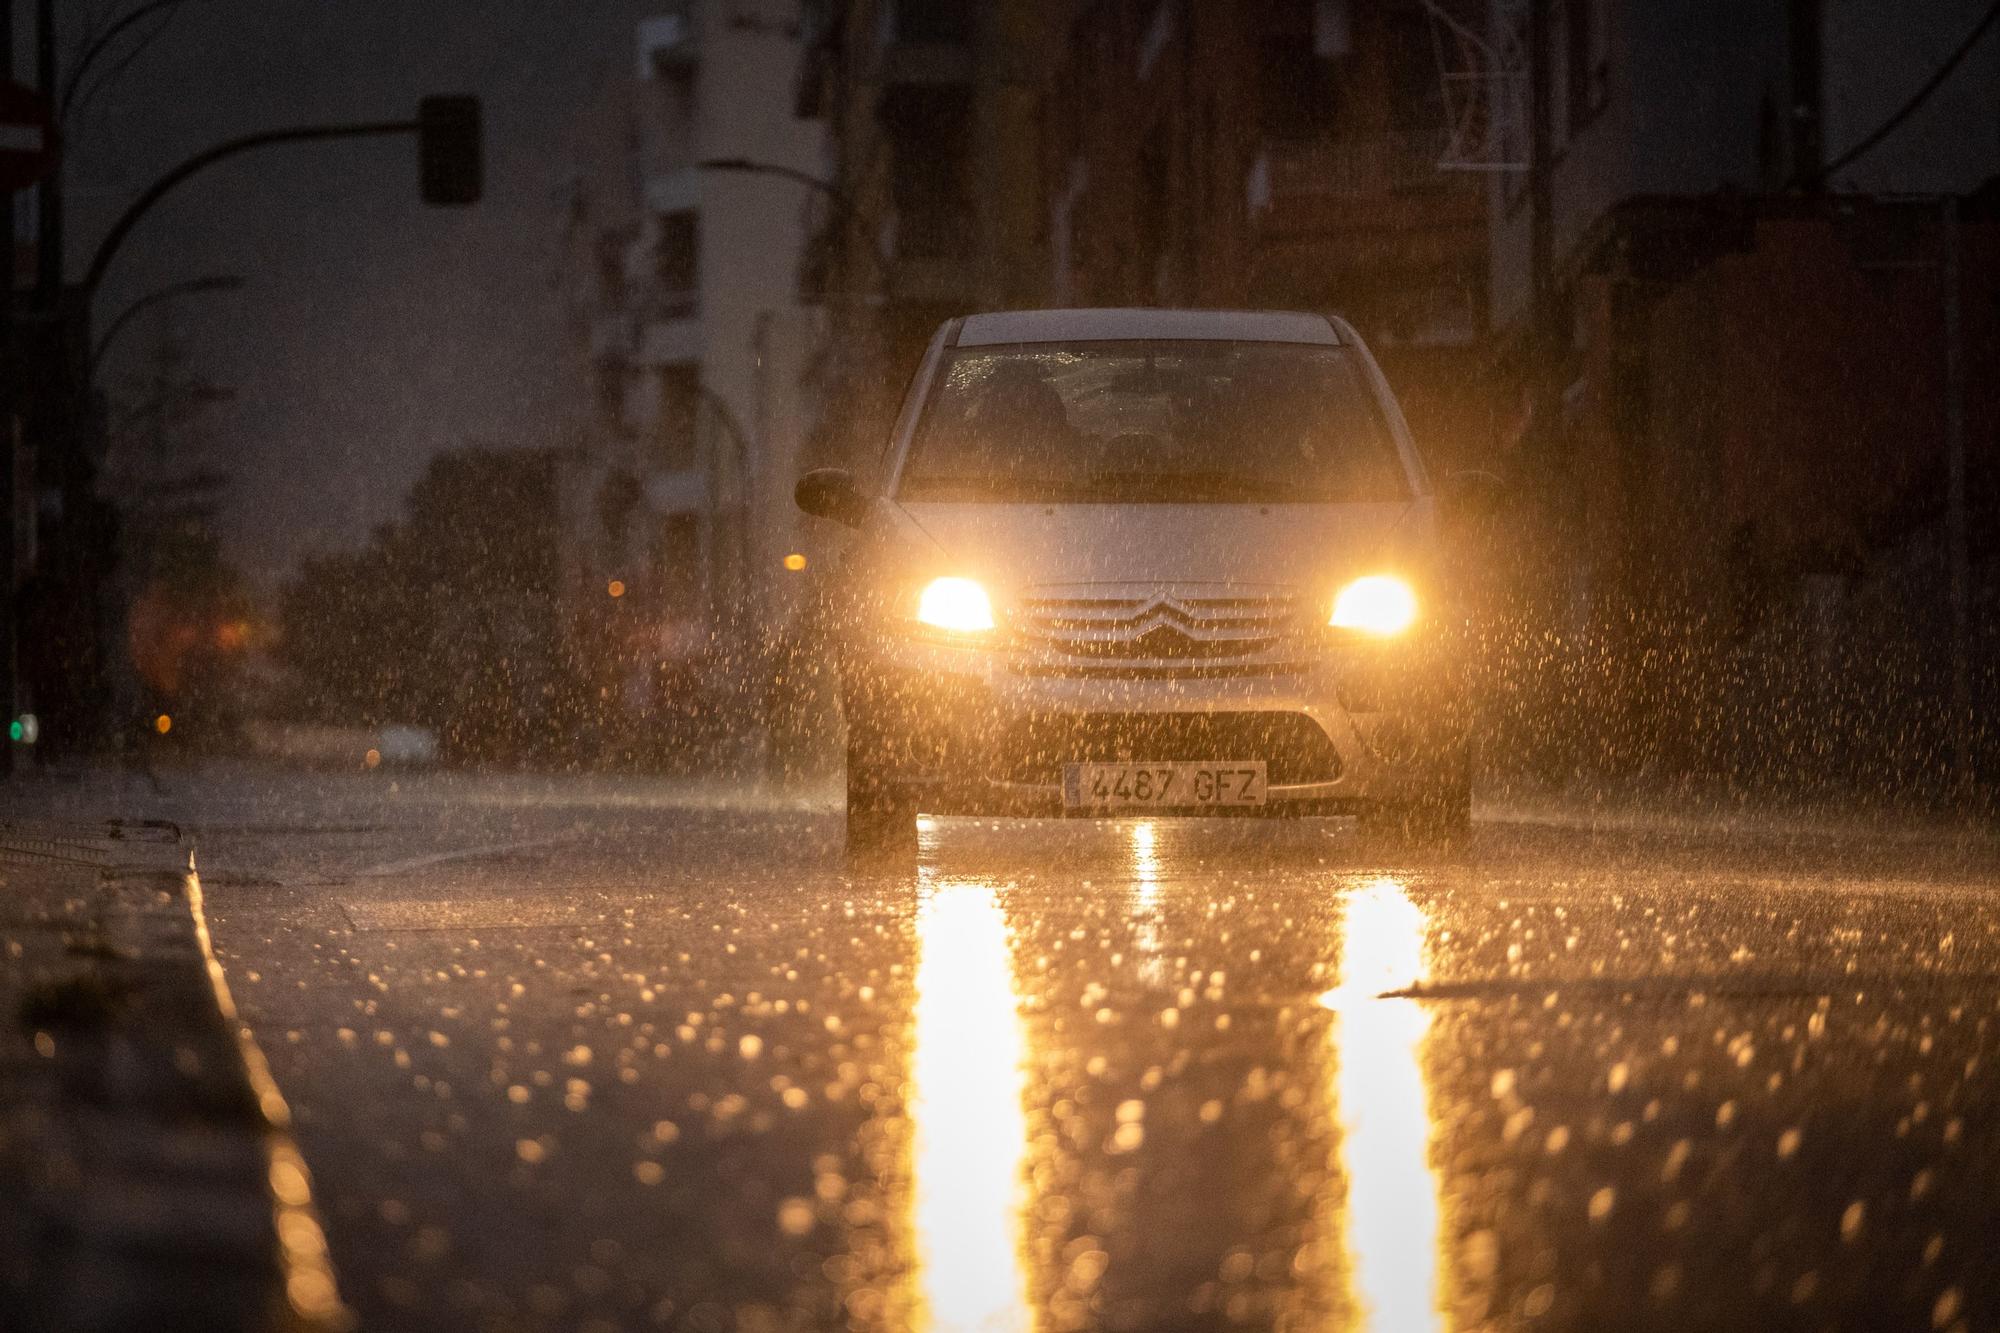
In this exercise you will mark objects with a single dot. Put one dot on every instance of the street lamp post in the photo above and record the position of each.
(742, 447)
(219, 282)
(843, 204)
(848, 217)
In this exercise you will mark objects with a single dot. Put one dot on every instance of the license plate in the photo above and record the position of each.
(1162, 786)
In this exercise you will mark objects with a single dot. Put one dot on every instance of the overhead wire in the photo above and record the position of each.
(1909, 108)
(97, 44)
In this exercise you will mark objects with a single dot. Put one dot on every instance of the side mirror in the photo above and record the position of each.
(830, 493)
(1471, 486)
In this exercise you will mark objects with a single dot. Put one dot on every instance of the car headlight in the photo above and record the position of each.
(959, 605)
(1380, 604)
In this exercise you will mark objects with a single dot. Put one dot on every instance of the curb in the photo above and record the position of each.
(148, 1178)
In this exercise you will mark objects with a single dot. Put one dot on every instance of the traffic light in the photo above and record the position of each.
(450, 154)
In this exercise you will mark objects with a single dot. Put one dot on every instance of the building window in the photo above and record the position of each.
(929, 127)
(617, 500)
(1298, 94)
(670, 53)
(1589, 59)
(609, 255)
(679, 414)
(1561, 109)
(1152, 235)
(1416, 99)
(677, 263)
(609, 377)
(945, 21)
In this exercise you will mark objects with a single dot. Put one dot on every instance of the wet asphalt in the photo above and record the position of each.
(616, 1055)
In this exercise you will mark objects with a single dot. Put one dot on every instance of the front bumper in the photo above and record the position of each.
(969, 731)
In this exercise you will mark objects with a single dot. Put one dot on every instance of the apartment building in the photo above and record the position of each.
(1148, 152)
(1678, 98)
(1276, 154)
(1716, 486)
(933, 111)
(690, 342)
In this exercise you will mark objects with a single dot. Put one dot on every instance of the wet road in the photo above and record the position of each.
(603, 1056)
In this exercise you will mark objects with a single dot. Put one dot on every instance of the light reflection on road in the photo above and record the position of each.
(1390, 1234)
(970, 1130)
(1146, 876)
(1145, 862)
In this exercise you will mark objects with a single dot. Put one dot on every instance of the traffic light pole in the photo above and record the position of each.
(447, 130)
(49, 196)
(107, 249)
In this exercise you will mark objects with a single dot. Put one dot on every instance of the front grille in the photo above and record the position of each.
(1291, 744)
(1118, 631)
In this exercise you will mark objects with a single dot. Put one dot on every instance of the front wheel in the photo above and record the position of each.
(881, 820)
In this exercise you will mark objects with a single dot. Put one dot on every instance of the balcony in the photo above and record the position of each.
(669, 333)
(663, 305)
(1390, 164)
(925, 41)
(669, 48)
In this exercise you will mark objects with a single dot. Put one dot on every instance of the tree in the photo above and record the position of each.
(446, 619)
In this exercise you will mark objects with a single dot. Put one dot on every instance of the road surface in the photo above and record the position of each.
(592, 1054)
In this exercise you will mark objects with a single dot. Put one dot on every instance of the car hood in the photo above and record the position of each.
(1011, 547)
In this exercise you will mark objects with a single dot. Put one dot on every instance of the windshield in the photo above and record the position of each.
(1174, 422)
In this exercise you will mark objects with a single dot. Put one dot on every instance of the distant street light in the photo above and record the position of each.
(220, 282)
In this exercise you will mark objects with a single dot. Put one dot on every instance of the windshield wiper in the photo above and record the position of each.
(1023, 490)
(1184, 487)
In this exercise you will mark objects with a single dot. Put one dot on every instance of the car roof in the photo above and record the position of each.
(1044, 326)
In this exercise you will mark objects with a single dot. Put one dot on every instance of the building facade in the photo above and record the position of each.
(1645, 99)
(1277, 154)
(1715, 491)
(933, 111)
(683, 242)
(1264, 153)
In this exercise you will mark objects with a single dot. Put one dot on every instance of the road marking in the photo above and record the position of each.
(310, 1284)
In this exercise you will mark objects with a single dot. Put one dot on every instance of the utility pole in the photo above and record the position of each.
(1956, 552)
(48, 194)
(1541, 188)
(1544, 352)
(10, 444)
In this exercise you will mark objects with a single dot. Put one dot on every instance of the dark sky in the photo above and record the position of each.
(374, 331)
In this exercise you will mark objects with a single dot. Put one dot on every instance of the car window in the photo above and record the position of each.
(1173, 422)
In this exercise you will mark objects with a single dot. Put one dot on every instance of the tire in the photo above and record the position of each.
(881, 820)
